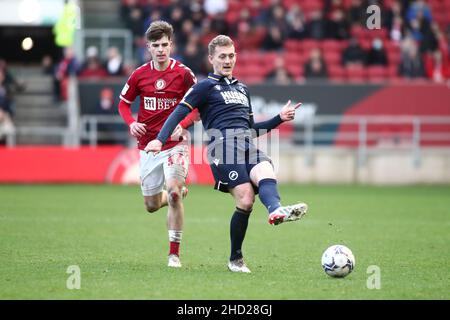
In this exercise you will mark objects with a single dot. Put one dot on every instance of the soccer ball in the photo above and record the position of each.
(338, 261)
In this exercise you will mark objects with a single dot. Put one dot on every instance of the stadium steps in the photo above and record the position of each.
(103, 14)
(35, 107)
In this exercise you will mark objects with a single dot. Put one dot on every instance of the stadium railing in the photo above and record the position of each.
(363, 134)
(103, 39)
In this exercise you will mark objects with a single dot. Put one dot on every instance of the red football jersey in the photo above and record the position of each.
(160, 92)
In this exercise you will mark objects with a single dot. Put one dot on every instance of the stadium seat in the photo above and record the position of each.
(378, 33)
(356, 74)
(292, 45)
(331, 45)
(336, 73)
(394, 57)
(332, 57)
(377, 73)
(309, 44)
(295, 70)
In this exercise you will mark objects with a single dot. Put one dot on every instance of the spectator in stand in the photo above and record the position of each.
(278, 18)
(337, 25)
(411, 65)
(153, 15)
(316, 27)
(437, 69)
(274, 39)
(6, 123)
(11, 85)
(176, 18)
(315, 67)
(392, 19)
(266, 13)
(134, 21)
(377, 54)
(357, 13)
(279, 75)
(433, 39)
(296, 23)
(114, 62)
(187, 29)
(397, 31)
(193, 55)
(353, 55)
(196, 14)
(92, 67)
(417, 9)
(68, 66)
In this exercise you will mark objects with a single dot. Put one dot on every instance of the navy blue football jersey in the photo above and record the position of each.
(222, 103)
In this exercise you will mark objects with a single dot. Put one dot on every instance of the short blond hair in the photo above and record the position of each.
(219, 41)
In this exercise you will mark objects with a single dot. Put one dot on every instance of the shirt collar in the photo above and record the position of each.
(216, 77)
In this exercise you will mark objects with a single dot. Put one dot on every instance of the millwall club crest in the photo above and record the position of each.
(218, 87)
(160, 84)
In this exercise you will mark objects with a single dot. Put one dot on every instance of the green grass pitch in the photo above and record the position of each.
(122, 251)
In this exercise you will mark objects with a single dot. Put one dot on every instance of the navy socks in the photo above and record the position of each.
(238, 228)
(268, 194)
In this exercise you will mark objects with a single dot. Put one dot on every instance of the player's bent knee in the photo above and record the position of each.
(174, 196)
(246, 203)
(152, 206)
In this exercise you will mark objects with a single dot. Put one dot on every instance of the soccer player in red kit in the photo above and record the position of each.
(161, 84)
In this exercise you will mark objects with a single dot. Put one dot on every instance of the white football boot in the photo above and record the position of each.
(238, 265)
(288, 213)
(174, 261)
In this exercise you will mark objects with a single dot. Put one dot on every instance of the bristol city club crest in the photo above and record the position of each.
(160, 84)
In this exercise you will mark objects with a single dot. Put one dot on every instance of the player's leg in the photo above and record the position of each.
(244, 197)
(152, 181)
(175, 172)
(263, 176)
(155, 202)
(175, 220)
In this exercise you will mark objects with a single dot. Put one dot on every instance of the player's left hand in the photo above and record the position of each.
(288, 112)
(153, 146)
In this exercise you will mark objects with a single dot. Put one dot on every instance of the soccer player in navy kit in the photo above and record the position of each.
(237, 165)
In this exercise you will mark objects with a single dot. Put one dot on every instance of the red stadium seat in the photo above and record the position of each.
(394, 57)
(331, 45)
(378, 33)
(356, 74)
(292, 45)
(377, 74)
(357, 32)
(336, 73)
(332, 57)
(309, 44)
(295, 70)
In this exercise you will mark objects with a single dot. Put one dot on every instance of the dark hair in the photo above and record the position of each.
(159, 29)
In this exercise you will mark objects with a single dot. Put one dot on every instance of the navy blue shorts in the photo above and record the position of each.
(232, 160)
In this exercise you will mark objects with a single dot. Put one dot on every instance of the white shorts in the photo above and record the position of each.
(168, 164)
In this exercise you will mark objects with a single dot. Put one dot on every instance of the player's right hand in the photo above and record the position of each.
(137, 129)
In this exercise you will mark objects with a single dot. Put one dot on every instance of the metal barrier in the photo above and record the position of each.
(105, 38)
(313, 133)
(366, 140)
(90, 131)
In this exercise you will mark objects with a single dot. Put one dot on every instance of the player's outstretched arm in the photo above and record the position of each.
(287, 114)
